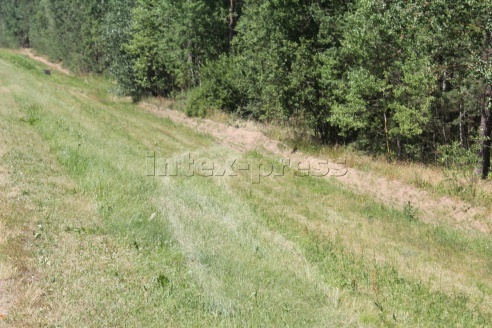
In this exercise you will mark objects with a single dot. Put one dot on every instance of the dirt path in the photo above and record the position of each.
(432, 210)
(56, 67)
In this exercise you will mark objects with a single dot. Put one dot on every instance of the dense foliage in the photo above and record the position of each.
(410, 78)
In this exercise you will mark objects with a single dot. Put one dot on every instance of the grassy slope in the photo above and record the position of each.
(93, 241)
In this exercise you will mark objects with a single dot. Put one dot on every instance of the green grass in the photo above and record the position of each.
(110, 246)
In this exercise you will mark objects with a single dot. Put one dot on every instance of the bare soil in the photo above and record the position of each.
(53, 66)
(430, 209)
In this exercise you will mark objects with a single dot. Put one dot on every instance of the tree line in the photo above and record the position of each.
(409, 78)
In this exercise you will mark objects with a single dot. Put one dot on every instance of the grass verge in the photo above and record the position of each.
(94, 241)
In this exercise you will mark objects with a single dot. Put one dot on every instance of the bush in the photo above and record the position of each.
(197, 103)
(454, 156)
(220, 87)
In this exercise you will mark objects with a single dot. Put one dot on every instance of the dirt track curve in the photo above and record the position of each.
(431, 209)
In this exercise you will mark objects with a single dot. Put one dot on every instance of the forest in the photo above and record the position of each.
(409, 79)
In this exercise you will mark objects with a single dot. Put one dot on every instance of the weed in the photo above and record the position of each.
(32, 114)
(410, 212)
(162, 281)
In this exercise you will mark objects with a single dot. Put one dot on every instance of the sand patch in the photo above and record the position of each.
(56, 67)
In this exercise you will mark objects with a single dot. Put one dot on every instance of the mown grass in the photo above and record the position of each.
(111, 246)
(380, 238)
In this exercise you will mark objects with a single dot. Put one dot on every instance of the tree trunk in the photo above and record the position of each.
(485, 118)
(400, 149)
(231, 21)
(485, 134)
(386, 133)
(462, 126)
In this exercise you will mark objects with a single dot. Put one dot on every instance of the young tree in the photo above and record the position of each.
(485, 129)
(15, 19)
(170, 41)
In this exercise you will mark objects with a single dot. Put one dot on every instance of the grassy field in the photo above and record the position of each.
(89, 239)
